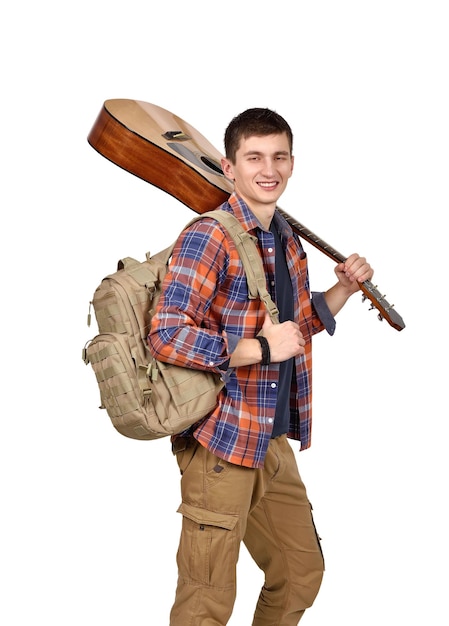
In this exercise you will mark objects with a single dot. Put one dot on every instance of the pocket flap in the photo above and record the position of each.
(209, 518)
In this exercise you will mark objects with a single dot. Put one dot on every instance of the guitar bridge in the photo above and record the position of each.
(178, 135)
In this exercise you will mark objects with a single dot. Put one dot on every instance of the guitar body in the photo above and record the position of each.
(164, 150)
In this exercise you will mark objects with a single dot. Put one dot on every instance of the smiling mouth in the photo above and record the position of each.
(268, 185)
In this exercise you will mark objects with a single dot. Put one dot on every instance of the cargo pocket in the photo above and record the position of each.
(209, 547)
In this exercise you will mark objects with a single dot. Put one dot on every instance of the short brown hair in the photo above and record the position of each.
(254, 122)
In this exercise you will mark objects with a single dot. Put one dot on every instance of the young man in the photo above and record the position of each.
(240, 480)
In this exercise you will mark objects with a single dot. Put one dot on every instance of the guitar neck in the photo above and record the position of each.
(369, 290)
(311, 238)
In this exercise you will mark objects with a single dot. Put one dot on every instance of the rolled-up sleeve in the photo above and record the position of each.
(323, 311)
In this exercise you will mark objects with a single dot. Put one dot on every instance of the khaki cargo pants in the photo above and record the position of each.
(267, 509)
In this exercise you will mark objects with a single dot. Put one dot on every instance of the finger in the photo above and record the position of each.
(268, 322)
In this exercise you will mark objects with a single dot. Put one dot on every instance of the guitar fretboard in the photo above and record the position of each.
(313, 239)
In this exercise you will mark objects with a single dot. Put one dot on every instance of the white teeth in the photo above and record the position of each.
(267, 184)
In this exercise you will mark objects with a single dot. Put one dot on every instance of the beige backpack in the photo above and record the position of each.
(146, 398)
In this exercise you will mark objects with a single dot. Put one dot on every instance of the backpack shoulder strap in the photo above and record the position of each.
(249, 255)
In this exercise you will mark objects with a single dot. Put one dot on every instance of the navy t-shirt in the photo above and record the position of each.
(284, 302)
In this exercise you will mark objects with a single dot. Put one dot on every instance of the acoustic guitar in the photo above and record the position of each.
(165, 151)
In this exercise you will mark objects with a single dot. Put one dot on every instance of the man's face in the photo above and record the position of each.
(262, 167)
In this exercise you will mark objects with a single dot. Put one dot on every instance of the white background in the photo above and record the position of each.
(88, 526)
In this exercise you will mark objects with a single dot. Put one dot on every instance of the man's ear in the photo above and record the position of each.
(227, 168)
(293, 163)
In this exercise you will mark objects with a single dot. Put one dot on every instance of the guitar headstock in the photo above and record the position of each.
(385, 310)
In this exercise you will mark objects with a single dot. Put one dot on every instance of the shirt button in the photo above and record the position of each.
(273, 385)
(270, 249)
(211, 363)
(270, 420)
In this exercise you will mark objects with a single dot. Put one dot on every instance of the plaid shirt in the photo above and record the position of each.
(205, 310)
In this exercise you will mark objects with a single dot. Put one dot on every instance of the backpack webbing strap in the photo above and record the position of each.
(141, 272)
(250, 257)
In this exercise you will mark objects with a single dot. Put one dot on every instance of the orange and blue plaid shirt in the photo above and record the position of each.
(204, 311)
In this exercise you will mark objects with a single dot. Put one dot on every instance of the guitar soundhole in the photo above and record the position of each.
(214, 165)
(198, 160)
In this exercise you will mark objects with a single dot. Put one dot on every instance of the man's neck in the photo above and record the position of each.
(263, 212)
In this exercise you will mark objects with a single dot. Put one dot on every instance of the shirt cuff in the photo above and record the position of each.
(232, 341)
(323, 312)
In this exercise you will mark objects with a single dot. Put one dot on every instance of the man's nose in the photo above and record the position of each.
(268, 167)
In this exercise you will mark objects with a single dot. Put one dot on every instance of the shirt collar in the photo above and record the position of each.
(249, 221)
